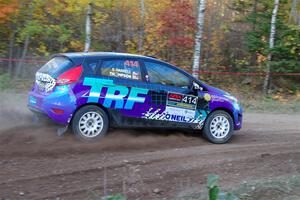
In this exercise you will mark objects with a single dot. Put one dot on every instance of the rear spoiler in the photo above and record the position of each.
(76, 58)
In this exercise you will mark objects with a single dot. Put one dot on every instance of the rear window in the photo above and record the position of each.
(56, 66)
(127, 69)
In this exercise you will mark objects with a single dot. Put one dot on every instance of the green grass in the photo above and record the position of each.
(281, 188)
(270, 105)
(5, 82)
(285, 188)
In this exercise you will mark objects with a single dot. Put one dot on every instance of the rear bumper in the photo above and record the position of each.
(58, 106)
(38, 112)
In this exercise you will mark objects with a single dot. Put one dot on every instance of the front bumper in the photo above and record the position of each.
(238, 117)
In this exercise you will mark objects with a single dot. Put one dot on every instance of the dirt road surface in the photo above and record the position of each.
(142, 164)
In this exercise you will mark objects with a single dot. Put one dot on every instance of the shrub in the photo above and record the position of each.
(214, 192)
(5, 81)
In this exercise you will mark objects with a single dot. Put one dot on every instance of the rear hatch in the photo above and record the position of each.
(54, 73)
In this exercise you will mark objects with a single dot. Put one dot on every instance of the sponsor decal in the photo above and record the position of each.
(44, 82)
(207, 97)
(175, 97)
(200, 118)
(182, 101)
(32, 100)
(135, 75)
(114, 96)
(216, 98)
(177, 115)
(170, 114)
(131, 63)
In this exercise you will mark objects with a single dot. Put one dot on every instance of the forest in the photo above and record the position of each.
(235, 36)
(248, 48)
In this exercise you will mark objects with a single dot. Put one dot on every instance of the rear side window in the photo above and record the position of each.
(90, 67)
(56, 66)
(128, 69)
(162, 74)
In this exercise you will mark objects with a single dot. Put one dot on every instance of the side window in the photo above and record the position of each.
(165, 75)
(90, 66)
(128, 69)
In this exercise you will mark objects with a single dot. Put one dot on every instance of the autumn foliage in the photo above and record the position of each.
(179, 24)
(235, 34)
(7, 7)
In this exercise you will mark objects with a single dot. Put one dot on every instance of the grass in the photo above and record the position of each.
(272, 104)
(5, 82)
(285, 188)
(114, 197)
(214, 192)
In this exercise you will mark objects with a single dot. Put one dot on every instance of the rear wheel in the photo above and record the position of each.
(90, 123)
(218, 127)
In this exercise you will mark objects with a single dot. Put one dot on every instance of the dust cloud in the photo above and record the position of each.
(13, 110)
(18, 129)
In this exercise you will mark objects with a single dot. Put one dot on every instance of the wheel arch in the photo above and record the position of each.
(225, 110)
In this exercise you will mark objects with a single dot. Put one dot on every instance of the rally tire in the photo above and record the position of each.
(218, 127)
(90, 123)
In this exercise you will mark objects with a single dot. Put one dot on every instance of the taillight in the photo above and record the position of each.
(70, 76)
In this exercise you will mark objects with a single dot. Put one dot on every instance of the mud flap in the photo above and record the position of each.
(61, 130)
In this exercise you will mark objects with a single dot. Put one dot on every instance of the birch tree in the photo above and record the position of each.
(198, 37)
(88, 28)
(294, 17)
(271, 46)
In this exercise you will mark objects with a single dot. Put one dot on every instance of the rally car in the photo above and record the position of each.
(91, 92)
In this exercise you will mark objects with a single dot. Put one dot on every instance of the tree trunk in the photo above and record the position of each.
(88, 28)
(294, 17)
(271, 45)
(10, 53)
(253, 59)
(20, 64)
(198, 38)
(120, 27)
(142, 26)
(209, 31)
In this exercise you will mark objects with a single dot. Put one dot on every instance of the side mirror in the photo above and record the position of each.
(196, 86)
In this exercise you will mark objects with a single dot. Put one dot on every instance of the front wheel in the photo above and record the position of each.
(218, 127)
(90, 123)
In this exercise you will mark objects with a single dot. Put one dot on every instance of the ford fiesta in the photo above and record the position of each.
(94, 91)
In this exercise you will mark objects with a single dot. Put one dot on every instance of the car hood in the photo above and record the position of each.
(215, 90)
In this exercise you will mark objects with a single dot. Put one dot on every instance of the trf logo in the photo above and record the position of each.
(124, 97)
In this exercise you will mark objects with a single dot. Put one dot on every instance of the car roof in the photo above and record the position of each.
(101, 54)
(78, 57)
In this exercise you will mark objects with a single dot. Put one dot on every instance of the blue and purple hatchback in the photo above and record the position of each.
(94, 91)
